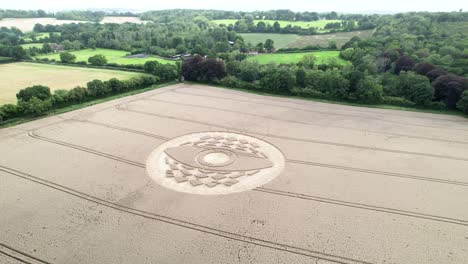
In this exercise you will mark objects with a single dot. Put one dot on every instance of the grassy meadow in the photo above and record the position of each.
(16, 76)
(281, 40)
(32, 45)
(38, 36)
(113, 56)
(323, 57)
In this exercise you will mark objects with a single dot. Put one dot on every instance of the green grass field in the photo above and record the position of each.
(39, 36)
(323, 57)
(280, 40)
(16, 76)
(320, 24)
(32, 45)
(113, 56)
(297, 41)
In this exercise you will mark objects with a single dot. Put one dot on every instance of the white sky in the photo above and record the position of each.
(347, 6)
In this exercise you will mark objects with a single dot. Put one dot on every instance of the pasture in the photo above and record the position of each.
(37, 36)
(27, 24)
(320, 24)
(32, 45)
(113, 56)
(345, 184)
(281, 40)
(297, 41)
(323, 57)
(16, 76)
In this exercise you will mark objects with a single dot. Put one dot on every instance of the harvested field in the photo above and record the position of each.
(303, 182)
(27, 24)
(322, 40)
(16, 76)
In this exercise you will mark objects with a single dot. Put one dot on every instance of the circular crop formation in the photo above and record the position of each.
(214, 163)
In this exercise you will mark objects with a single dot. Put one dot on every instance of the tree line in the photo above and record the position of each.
(307, 79)
(38, 99)
(248, 25)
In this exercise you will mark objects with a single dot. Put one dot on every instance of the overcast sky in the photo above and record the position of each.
(244, 5)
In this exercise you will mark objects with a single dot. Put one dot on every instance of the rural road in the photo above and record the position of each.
(198, 174)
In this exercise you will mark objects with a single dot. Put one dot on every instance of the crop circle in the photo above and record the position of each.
(211, 163)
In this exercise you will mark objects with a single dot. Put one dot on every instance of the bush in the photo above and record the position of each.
(250, 85)
(115, 85)
(35, 106)
(97, 88)
(98, 60)
(249, 71)
(60, 98)
(8, 111)
(330, 82)
(309, 92)
(463, 102)
(449, 88)
(202, 69)
(414, 87)
(230, 81)
(38, 91)
(78, 94)
(438, 105)
(166, 72)
(398, 101)
(278, 79)
(368, 91)
(67, 57)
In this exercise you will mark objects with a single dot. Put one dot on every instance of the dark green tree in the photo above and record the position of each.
(463, 102)
(301, 77)
(276, 26)
(368, 91)
(38, 91)
(260, 48)
(269, 45)
(98, 60)
(278, 79)
(35, 106)
(67, 57)
(98, 88)
(415, 87)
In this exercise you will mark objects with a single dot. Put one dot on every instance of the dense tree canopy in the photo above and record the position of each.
(412, 59)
